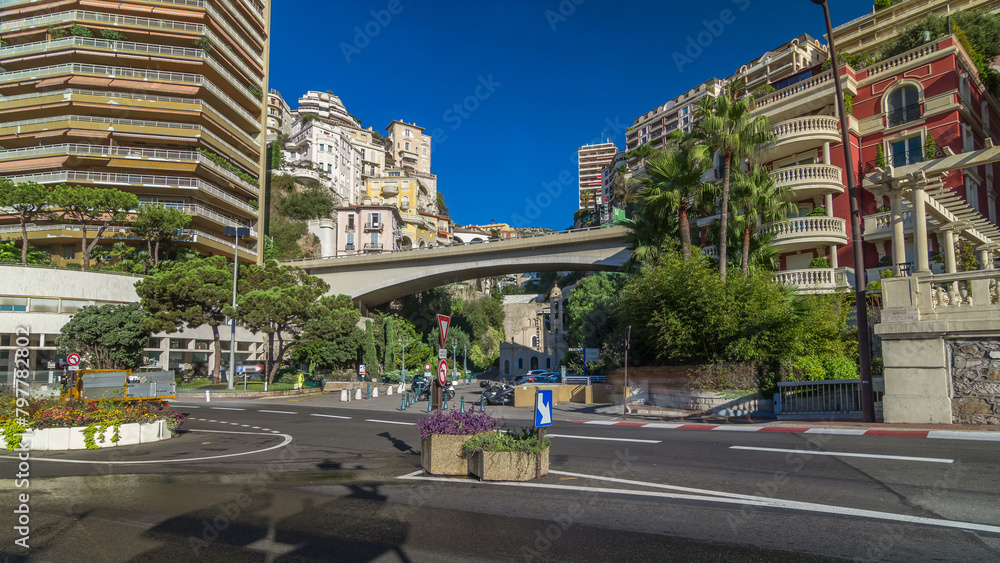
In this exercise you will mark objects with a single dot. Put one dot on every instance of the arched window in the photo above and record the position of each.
(534, 362)
(405, 202)
(534, 341)
(904, 105)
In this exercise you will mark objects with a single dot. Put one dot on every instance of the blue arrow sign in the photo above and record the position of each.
(543, 408)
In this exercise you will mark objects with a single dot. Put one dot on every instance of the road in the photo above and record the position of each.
(311, 480)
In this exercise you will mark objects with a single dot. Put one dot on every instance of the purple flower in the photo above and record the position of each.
(454, 422)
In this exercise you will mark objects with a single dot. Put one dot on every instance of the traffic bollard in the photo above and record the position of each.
(208, 398)
(482, 402)
(402, 403)
(462, 409)
(428, 404)
(369, 390)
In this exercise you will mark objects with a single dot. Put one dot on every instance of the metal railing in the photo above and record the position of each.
(118, 232)
(832, 397)
(903, 115)
(584, 380)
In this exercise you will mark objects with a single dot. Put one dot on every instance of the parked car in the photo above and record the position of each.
(549, 377)
(254, 370)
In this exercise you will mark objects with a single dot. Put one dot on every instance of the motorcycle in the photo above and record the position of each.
(421, 388)
(499, 394)
(449, 391)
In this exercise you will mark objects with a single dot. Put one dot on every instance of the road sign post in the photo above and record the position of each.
(444, 322)
(543, 418)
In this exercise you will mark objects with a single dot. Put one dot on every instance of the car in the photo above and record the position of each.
(549, 377)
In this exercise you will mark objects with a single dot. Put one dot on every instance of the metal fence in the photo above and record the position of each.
(581, 380)
(833, 397)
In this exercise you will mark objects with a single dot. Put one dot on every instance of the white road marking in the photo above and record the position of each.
(838, 431)
(737, 428)
(603, 422)
(605, 439)
(280, 412)
(391, 422)
(331, 416)
(286, 440)
(720, 497)
(226, 409)
(666, 425)
(846, 454)
(956, 435)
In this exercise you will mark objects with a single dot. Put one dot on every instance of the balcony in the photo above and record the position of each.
(805, 96)
(801, 134)
(814, 280)
(373, 226)
(349, 228)
(803, 233)
(878, 226)
(903, 115)
(809, 181)
(369, 247)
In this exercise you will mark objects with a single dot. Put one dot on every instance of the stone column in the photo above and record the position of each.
(949, 260)
(898, 236)
(826, 154)
(828, 204)
(833, 256)
(920, 228)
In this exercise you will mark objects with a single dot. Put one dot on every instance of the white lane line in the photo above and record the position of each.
(391, 422)
(226, 409)
(286, 439)
(605, 439)
(956, 435)
(280, 412)
(724, 498)
(603, 422)
(666, 425)
(331, 416)
(846, 454)
(838, 431)
(185, 406)
(736, 428)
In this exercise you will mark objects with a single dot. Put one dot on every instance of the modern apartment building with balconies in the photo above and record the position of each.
(654, 127)
(160, 98)
(279, 116)
(322, 151)
(592, 159)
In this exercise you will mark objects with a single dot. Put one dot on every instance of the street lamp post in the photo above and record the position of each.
(236, 233)
(454, 355)
(403, 341)
(465, 361)
(860, 282)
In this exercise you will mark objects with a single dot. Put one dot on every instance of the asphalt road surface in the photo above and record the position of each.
(313, 480)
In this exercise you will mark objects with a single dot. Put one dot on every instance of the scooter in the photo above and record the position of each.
(499, 394)
(420, 388)
(449, 391)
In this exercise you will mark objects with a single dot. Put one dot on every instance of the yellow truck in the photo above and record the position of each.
(118, 385)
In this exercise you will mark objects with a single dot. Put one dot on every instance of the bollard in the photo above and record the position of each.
(343, 395)
(428, 403)
(357, 394)
(208, 398)
(462, 410)
(374, 393)
(402, 403)
(369, 396)
(388, 391)
(444, 402)
(265, 386)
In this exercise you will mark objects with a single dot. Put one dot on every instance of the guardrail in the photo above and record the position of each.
(831, 397)
(586, 380)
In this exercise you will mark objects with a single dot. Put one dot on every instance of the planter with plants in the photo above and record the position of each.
(499, 456)
(442, 436)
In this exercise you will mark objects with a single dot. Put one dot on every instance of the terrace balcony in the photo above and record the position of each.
(804, 97)
(801, 134)
(803, 233)
(809, 181)
(815, 280)
(878, 226)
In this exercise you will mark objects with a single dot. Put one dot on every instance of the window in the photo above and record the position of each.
(963, 87)
(971, 193)
(967, 140)
(39, 305)
(374, 242)
(534, 362)
(425, 149)
(407, 145)
(71, 306)
(374, 220)
(322, 147)
(350, 222)
(506, 366)
(407, 133)
(908, 151)
(904, 105)
(350, 241)
(548, 363)
(405, 203)
(520, 363)
(986, 115)
(13, 303)
(534, 340)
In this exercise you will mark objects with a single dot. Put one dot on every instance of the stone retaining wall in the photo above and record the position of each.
(975, 379)
(705, 401)
(55, 439)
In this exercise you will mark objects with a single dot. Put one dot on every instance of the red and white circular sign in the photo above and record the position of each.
(427, 367)
(443, 372)
(73, 359)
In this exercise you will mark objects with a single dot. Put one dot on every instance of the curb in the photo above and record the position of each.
(987, 436)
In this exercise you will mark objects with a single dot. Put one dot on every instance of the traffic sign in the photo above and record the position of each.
(74, 368)
(543, 408)
(443, 372)
(427, 367)
(73, 359)
(361, 369)
(442, 353)
(444, 322)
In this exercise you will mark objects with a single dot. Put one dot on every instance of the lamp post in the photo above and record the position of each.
(465, 361)
(454, 354)
(236, 233)
(860, 282)
(403, 341)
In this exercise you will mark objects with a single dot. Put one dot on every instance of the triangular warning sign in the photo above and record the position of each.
(443, 322)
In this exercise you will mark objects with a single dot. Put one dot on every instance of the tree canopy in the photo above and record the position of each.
(109, 336)
(29, 200)
(102, 207)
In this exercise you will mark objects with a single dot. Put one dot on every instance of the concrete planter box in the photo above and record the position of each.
(442, 454)
(508, 466)
(55, 439)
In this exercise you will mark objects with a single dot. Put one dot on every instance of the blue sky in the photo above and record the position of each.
(511, 89)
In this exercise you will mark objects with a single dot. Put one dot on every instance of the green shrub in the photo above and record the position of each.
(807, 368)
(819, 262)
(394, 376)
(840, 368)
(524, 442)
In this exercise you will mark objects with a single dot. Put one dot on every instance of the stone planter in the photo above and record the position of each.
(442, 454)
(508, 466)
(55, 439)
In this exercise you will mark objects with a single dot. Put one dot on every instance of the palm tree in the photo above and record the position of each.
(672, 186)
(646, 236)
(642, 152)
(757, 200)
(623, 187)
(727, 126)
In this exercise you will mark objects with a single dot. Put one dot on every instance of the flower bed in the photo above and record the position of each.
(442, 436)
(91, 423)
(499, 456)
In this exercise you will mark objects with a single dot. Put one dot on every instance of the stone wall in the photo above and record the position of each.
(975, 378)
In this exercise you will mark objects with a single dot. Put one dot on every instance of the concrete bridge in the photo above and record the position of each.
(375, 279)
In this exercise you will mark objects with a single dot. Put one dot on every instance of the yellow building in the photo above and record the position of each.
(416, 197)
(159, 98)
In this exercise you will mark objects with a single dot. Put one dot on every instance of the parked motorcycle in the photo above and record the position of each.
(449, 391)
(499, 394)
(421, 388)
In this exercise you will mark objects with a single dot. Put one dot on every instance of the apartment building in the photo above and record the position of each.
(322, 151)
(415, 197)
(870, 31)
(654, 127)
(163, 99)
(368, 228)
(591, 160)
(536, 334)
(279, 116)
(782, 66)
(410, 147)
